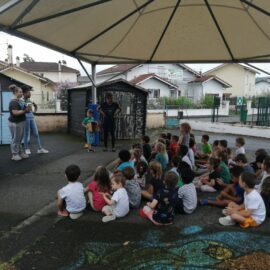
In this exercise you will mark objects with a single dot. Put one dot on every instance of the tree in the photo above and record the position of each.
(27, 58)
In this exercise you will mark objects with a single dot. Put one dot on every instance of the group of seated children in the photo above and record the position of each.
(167, 176)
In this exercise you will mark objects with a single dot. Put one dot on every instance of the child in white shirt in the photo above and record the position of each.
(118, 204)
(70, 199)
(252, 212)
(239, 143)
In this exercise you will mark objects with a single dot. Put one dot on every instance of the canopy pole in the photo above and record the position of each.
(92, 79)
(94, 88)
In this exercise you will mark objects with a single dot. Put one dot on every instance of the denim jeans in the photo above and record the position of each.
(16, 130)
(30, 125)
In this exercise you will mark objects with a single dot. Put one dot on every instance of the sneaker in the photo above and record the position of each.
(224, 212)
(16, 158)
(226, 221)
(42, 151)
(24, 155)
(27, 151)
(105, 149)
(75, 215)
(108, 218)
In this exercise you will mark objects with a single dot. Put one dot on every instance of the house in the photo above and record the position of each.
(43, 93)
(56, 72)
(207, 85)
(176, 74)
(262, 86)
(240, 77)
(156, 86)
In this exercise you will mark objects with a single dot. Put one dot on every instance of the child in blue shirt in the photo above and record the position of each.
(124, 160)
(90, 133)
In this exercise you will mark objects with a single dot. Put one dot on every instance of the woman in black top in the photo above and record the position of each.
(109, 110)
(17, 109)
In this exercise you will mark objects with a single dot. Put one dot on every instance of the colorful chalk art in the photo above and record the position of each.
(195, 250)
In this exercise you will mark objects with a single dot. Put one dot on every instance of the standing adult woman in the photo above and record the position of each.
(17, 109)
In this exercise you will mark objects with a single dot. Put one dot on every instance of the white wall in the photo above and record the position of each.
(194, 92)
(213, 87)
(262, 88)
(65, 76)
(156, 84)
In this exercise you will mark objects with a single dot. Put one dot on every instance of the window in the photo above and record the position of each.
(173, 93)
(154, 93)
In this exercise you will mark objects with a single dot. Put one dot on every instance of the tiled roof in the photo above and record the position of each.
(144, 77)
(116, 69)
(46, 66)
(210, 77)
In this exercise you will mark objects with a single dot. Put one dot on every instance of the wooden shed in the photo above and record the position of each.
(130, 123)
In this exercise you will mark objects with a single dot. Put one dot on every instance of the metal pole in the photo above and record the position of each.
(94, 88)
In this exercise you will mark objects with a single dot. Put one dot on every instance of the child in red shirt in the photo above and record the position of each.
(101, 183)
(174, 146)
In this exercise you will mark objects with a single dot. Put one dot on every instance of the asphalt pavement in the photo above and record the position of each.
(33, 237)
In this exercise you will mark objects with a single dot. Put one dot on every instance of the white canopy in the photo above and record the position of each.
(139, 31)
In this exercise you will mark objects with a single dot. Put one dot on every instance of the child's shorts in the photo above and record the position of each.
(90, 137)
(249, 222)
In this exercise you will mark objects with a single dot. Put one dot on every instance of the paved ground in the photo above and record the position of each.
(193, 242)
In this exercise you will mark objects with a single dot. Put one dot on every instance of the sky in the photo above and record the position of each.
(42, 54)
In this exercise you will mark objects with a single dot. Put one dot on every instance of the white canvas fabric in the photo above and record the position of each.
(136, 31)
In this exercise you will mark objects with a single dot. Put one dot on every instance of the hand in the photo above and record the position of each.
(230, 211)
(27, 109)
(220, 182)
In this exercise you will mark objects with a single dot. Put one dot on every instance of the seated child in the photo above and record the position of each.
(206, 148)
(161, 156)
(223, 167)
(161, 210)
(182, 165)
(174, 165)
(137, 156)
(249, 214)
(156, 181)
(215, 148)
(70, 199)
(118, 204)
(239, 143)
(146, 147)
(141, 171)
(241, 160)
(223, 144)
(259, 166)
(191, 154)
(187, 195)
(174, 145)
(132, 187)
(231, 193)
(101, 183)
(265, 193)
(265, 173)
(124, 160)
(183, 153)
(257, 153)
(211, 183)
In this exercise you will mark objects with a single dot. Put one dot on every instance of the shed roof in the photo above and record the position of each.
(89, 85)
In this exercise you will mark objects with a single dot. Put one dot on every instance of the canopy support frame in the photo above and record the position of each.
(92, 79)
(63, 13)
(165, 29)
(219, 30)
(250, 4)
(10, 4)
(112, 26)
(24, 13)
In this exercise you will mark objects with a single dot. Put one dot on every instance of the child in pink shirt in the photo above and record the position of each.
(101, 183)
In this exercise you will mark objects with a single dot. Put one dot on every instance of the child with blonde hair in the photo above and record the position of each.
(155, 182)
(117, 204)
(184, 137)
(161, 156)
